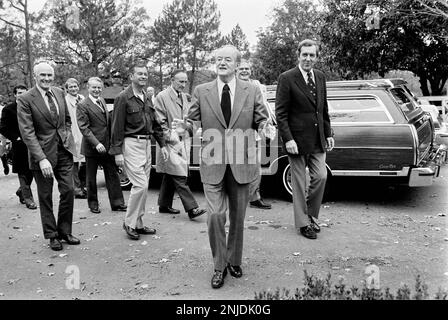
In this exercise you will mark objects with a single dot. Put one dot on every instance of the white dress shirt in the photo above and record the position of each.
(305, 75)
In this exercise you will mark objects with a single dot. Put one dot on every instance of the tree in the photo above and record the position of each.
(238, 39)
(23, 58)
(205, 19)
(365, 36)
(293, 21)
(107, 32)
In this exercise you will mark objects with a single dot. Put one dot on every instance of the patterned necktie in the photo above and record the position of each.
(312, 86)
(100, 104)
(226, 103)
(53, 108)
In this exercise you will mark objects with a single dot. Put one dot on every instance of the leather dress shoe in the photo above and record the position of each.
(95, 209)
(19, 194)
(55, 244)
(168, 210)
(218, 278)
(121, 207)
(235, 271)
(132, 234)
(196, 212)
(30, 204)
(314, 224)
(70, 239)
(308, 232)
(260, 204)
(145, 230)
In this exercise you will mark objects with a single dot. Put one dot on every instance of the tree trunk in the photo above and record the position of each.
(437, 86)
(28, 43)
(424, 84)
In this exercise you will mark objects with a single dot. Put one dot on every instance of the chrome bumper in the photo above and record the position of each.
(429, 168)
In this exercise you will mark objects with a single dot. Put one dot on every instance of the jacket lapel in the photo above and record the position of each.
(40, 104)
(213, 100)
(239, 98)
(96, 111)
(300, 81)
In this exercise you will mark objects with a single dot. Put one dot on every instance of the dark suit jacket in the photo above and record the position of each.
(299, 118)
(9, 127)
(94, 126)
(38, 131)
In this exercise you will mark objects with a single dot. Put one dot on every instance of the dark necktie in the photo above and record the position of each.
(53, 108)
(226, 103)
(312, 85)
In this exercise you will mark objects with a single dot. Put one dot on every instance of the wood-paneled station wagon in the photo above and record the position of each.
(379, 130)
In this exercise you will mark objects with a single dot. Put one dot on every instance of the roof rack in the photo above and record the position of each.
(372, 83)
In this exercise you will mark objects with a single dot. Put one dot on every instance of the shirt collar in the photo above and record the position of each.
(95, 100)
(231, 84)
(305, 74)
(43, 92)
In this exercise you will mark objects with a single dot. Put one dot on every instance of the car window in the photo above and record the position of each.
(360, 109)
(403, 100)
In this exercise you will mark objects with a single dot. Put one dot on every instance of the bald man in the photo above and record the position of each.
(45, 126)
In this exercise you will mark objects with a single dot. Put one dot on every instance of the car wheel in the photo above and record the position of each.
(125, 183)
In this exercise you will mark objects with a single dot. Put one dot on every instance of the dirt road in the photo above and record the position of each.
(403, 231)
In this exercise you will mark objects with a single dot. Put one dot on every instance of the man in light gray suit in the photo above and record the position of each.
(229, 111)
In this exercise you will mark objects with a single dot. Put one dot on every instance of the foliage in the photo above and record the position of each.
(401, 39)
(237, 38)
(293, 21)
(315, 288)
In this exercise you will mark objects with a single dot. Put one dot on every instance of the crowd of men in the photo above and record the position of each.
(61, 135)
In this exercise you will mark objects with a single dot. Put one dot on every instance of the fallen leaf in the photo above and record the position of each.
(95, 225)
(144, 243)
(50, 274)
(128, 260)
(106, 223)
(38, 261)
(156, 237)
(75, 222)
(94, 236)
(178, 250)
(296, 254)
(441, 215)
(2, 294)
(144, 286)
(437, 229)
(82, 218)
(39, 290)
(164, 260)
(323, 225)
(62, 255)
(51, 265)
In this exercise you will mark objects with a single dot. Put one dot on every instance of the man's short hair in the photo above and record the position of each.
(308, 43)
(176, 72)
(18, 87)
(70, 81)
(95, 79)
(237, 52)
(138, 64)
(246, 62)
(39, 64)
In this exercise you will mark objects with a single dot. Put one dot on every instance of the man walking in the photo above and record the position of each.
(45, 127)
(79, 162)
(94, 123)
(172, 104)
(229, 110)
(9, 127)
(133, 124)
(304, 126)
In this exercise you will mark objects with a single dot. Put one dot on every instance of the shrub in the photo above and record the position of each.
(321, 289)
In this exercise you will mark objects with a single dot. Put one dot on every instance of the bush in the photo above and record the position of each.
(321, 289)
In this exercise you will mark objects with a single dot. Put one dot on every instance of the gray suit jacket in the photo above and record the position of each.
(234, 144)
(94, 126)
(38, 131)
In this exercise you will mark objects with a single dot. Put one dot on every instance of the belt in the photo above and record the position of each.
(139, 136)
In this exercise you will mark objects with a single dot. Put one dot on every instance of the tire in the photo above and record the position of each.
(287, 186)
(125, 183)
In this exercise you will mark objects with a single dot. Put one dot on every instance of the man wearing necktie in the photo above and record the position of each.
(94, 123)
(45, 126)
(172, 104)
(229, 110)
(304, 126)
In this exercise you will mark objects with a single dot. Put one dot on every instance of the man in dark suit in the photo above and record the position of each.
(304, 126)
(45, 126)
(9, 127)
(94, 123)
(230, 110)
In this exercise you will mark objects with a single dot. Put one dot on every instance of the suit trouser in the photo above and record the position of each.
(25, 180)
(236, 196)
(254, 189)
(112, 180)
(63, 174)
(307, 203)
(137, 163)
(79, 176)
(172, 183)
